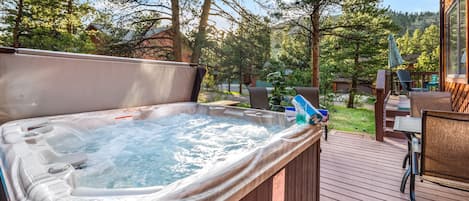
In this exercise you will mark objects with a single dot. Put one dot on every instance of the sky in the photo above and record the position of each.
(412, 5)
(396, 5)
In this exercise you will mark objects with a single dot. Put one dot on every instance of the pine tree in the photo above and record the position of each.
(49, 25)
(358, 48)
(311, 13)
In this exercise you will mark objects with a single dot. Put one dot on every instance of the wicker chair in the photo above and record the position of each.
(445, 149)
(258, 98)
(312, 95)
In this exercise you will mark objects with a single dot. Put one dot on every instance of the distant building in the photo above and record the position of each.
(155, 44)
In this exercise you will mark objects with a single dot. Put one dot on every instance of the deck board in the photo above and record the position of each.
(356, 167)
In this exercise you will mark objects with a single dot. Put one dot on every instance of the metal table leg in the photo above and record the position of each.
(414, 167)
(404, 180)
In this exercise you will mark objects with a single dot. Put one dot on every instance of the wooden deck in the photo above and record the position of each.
(356, 167)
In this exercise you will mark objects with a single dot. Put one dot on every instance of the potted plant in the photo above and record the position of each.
(276, 98)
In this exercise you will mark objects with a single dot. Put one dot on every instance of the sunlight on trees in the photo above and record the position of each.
(422, 48)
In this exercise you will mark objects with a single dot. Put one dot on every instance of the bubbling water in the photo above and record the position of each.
(158, 152)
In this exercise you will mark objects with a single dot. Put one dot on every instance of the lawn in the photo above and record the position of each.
(354, 120)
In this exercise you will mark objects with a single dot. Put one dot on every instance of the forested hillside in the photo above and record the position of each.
(412, 21)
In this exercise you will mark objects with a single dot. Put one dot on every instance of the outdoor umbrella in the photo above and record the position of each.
(394, 58)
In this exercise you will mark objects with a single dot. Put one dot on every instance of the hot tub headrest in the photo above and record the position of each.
(37, 83)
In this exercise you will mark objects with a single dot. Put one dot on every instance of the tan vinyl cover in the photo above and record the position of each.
(41, 83)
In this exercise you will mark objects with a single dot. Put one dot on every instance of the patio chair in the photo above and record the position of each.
(444, 150)
(312, 95)
(427, 101)
(406, 81)
(258, 98)
(434, 83)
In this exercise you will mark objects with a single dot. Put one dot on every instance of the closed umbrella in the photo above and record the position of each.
(394, 58)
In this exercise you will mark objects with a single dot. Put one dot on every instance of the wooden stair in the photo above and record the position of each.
(393, 109)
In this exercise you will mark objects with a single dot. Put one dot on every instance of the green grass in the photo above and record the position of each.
(245, 105)
(234, 93)
(354, 120)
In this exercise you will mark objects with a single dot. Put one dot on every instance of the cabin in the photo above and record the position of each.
(155, 44)
(454, 43)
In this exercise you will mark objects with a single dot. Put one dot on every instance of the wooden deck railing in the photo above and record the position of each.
(382, 91)
(384, 88)
(419, 79)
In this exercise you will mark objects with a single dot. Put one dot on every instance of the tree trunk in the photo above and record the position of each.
(315, 38)
(70, 13)
(16, 29)
(176, 27)
(229, 85)
(353, 89)
(200, 38)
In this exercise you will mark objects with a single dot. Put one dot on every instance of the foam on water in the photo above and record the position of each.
(159, 152)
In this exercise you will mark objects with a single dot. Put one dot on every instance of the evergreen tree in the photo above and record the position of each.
(246, 50)
(422, 48)
(310, 13)
(359, 48)
(50, 25)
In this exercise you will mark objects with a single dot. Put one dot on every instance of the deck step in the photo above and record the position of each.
(394, 113)
(390, 122)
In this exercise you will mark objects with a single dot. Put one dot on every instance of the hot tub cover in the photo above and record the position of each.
(35, 83)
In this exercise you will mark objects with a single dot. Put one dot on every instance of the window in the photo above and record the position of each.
(456, 39)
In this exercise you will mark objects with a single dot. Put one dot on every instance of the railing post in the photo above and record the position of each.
(380, 104)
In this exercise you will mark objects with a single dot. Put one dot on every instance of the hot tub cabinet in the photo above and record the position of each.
(44, 94)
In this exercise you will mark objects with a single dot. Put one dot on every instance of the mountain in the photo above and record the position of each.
(412, 21)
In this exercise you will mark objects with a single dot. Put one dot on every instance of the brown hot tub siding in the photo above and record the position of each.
(297, 181)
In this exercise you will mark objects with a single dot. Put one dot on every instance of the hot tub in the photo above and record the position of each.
(89, 127)
(179, 151)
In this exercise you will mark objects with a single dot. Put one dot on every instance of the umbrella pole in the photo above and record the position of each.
(392, 82)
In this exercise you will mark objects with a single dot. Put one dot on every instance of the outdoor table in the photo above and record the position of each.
(412, 127)
(408, 124)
